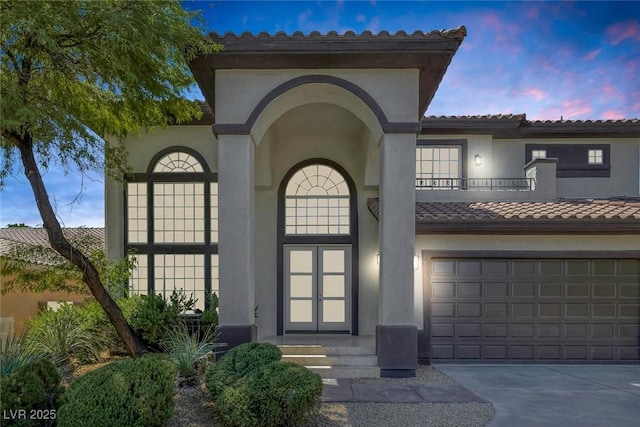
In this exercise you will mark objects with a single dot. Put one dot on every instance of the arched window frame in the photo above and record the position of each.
(321, 239)
(150, 248)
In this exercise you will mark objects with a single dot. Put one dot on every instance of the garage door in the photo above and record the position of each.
(535, 311)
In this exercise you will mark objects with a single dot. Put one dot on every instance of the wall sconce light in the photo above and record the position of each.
(416, 260)
(477, 160)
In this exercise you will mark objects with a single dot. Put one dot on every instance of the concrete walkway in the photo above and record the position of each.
(342, 390)
(555, 395)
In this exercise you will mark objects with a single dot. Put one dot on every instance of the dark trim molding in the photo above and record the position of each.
(424, 335)
(387, 126)
(351, 239)
(573, 159)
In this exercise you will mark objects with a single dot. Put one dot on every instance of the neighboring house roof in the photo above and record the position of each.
(429, 52)
(13, 239)
(591, 216)
(517, 126)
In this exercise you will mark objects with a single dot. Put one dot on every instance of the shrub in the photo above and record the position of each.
(63, 334)
(279, 394)
(15, 352)
(133, 392)
(92, 315)
(237, 363)
(33, 387)
(154, 316)
(187, 350)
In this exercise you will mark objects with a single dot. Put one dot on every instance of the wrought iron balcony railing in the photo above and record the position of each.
(476, 184)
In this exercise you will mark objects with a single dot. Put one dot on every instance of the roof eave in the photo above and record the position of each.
(430, 53)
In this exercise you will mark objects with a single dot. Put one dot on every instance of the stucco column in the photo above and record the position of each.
(236, 239)
(396, 335)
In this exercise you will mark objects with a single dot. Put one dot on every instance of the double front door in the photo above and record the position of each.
(317, 288)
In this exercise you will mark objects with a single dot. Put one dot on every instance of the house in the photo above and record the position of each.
(315, 191)
(31, 247)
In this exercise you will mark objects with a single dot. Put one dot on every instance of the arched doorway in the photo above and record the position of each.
(317, 250)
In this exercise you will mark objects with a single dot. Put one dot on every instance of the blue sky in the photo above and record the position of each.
(576, 60)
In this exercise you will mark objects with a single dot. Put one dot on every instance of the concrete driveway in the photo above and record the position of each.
(555, 395)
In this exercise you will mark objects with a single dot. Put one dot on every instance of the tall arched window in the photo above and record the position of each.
(317, 202)
(172, 226)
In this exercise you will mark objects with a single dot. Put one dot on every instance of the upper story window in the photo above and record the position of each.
(171, 219)
(317, 201)
(575, 160)
(596, 157)
(440, 164)
(538, 154)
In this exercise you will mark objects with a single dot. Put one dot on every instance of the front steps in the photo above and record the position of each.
(334, 361)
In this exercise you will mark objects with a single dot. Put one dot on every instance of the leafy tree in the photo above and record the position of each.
(76, 72)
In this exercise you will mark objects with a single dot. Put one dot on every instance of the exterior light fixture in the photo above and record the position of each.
(416, 260)
(477, 160)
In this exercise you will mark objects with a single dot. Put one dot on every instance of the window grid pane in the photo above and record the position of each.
(538, 154)
(596, 157)
(182, 273)
(178, 162)
(215, 275)
(436, 167)
(136, 212)
(214, 212)
(178, 212)
(139, 279)
(317, 202)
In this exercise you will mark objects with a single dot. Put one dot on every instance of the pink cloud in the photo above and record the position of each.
(575, 108)
(613, 115)
(533, 12)
(608, 90)
(592, 55)
(360, 18)
(303, 17)
(621, 31)
(505, 31)
(533, 93)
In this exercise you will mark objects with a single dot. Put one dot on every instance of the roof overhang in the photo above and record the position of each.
(430, 53)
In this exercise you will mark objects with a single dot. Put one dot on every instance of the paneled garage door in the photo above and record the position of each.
(535, 311)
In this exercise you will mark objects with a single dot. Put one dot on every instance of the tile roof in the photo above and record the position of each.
(458, 33)
(517, 126)
(622, 213)
(89, 240)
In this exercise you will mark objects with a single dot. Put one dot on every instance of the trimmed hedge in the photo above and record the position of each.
(252, 387)
(279, 394)
(33, 388)
(132, 392)
(237, 363)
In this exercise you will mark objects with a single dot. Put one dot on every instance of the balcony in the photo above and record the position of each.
(476, 184)
(538, 184)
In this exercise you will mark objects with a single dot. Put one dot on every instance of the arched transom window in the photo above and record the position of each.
(172, 226)
(317, 202)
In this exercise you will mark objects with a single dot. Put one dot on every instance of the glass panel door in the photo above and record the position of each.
(317, 288)
(333, 288)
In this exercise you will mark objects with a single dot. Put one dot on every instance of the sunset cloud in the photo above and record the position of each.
(621, 31)
(592, 55)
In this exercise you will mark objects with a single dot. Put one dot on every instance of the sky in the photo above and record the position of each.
(550, 60)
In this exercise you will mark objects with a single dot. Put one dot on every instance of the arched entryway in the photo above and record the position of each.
(317, 250)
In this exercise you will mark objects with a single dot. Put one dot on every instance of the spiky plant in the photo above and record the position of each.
(17, 351)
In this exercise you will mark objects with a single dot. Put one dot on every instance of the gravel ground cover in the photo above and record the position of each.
(194, 409)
